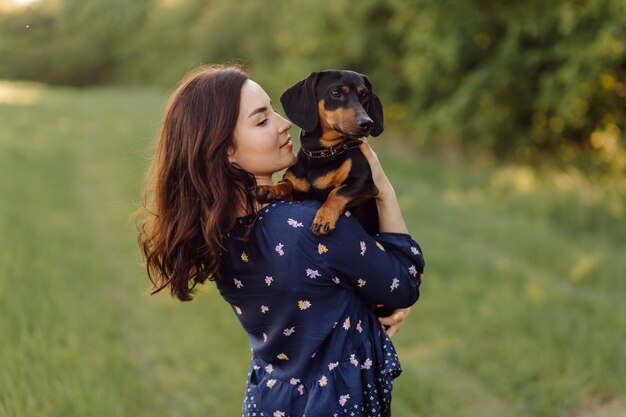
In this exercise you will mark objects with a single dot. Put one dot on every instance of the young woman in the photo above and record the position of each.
(304, 301)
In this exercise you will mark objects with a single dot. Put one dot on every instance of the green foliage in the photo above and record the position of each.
(517, 73)
(71, 42)
(506, 75)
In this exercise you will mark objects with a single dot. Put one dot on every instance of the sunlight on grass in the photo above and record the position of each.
(534, 291)
(19, 94)
(521, 179)
(584, 266)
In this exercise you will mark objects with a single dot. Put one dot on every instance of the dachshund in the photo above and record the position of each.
(334, 109)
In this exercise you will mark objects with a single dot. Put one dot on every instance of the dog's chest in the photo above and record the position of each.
(331, 178)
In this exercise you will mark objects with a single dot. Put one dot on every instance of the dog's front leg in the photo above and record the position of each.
(326, 218)
(283, 189)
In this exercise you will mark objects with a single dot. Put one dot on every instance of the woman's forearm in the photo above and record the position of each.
(390, 218)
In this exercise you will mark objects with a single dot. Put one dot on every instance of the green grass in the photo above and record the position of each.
(522, 310)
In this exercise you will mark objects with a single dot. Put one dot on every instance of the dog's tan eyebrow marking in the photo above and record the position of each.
(360, 90)
(345, 89)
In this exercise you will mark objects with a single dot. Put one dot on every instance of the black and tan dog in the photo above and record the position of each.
(334, 109)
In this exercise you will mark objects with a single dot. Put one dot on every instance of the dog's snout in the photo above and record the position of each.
(365, 122)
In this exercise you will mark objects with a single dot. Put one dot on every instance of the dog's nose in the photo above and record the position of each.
(365, 123)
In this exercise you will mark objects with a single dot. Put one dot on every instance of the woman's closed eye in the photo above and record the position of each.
(263, 122)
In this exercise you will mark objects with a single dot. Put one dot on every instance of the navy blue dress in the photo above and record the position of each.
(305, 302)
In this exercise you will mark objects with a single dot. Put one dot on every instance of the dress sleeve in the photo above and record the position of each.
(383, 269)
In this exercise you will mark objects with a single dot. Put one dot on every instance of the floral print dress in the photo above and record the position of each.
(305, 302)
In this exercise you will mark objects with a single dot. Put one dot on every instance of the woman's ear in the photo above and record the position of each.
(230, 154)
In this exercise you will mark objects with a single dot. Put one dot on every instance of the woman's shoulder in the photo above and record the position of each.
(298, 211)
(278, 215)
(300, 214)
(292, 217)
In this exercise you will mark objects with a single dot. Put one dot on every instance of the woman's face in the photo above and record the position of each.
(262, 142)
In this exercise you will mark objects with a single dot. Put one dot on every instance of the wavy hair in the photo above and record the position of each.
(192, 190)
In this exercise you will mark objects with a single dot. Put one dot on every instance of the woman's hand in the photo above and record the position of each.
(394, 323)
(378, 175)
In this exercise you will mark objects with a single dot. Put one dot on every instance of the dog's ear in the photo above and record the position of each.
(374, 110)
(300, 103)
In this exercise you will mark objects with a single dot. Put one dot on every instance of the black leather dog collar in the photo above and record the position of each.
(334, 150)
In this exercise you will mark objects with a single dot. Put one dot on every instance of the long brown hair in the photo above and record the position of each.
(193, 192)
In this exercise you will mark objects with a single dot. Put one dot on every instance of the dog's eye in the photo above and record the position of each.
(335, 93)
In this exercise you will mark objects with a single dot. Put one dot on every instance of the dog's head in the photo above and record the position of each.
(334, 99)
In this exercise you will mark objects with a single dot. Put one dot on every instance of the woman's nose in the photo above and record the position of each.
(286, 125)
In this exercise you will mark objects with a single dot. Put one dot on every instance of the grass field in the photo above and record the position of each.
(522, 313)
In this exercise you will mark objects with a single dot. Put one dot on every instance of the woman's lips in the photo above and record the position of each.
(286, 144)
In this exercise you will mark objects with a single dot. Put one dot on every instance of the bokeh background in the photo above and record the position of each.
(504, 139)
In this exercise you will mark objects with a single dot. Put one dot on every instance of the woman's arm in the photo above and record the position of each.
(383, 269)
(390, 220)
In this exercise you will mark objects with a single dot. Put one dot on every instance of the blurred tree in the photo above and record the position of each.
(505, 75)
(508, 74)
(72, 42)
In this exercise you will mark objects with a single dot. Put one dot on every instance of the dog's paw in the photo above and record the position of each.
(322, 229)
(264, 193)
(324, 223)
(268, 193)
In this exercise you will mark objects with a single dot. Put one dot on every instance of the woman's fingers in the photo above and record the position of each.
(378, 175)
(395, 321)
(369, 153)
